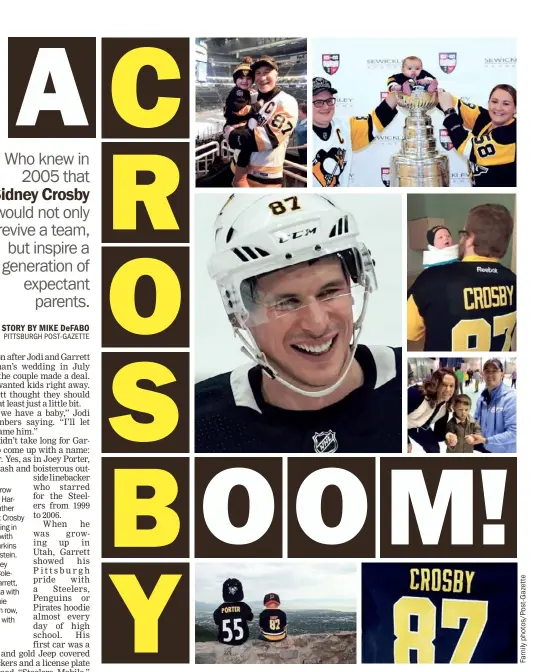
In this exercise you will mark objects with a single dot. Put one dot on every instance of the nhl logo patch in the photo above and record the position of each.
(325, 442)
(385, 176)
(330, 62)
(445, 139)
(447, 61)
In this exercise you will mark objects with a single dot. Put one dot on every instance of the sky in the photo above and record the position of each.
(302, 583)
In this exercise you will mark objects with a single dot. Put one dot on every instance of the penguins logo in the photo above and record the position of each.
(328, 166)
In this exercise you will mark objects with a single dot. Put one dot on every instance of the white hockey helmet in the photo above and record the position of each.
(270, 233)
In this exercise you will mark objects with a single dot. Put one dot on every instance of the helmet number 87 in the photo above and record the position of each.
(278, 207)
(421, 640)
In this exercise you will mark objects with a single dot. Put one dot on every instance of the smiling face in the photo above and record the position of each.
(321, 116)
(412, 68)
(307, 322)
(244, 83)
(502, 107)
(265, 78)
(446, 388)
(492, 376)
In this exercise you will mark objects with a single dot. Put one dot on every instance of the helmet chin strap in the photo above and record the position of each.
(259, 357)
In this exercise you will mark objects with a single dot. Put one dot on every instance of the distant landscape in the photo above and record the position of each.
(300, 621)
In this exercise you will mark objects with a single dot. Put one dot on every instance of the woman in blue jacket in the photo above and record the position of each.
(496, 412)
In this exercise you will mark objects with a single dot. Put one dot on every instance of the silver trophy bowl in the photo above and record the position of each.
(418, 163)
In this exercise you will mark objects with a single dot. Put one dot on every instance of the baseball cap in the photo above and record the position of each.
(493, 362)
(272, 597)
(320, 84)
(265, 60)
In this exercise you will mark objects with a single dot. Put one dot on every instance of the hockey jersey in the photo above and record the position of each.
(333, 146)
(273, 624)
(466, 306)
(238, 108)
(426, 612)
(231, 620)
(267, 137)
(231, 415)
(490, 152)
(400, 78)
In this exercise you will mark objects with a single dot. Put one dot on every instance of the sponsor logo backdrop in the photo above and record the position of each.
(475, 66)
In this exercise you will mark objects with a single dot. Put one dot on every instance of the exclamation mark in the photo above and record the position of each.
(493, 492)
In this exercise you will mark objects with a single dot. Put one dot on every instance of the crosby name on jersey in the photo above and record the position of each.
(439, 613)
(465, 306)
(232, 416)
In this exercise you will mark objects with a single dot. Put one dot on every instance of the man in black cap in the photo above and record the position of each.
(267, 136)
(272, 621)
(335, 139)
(496, 412)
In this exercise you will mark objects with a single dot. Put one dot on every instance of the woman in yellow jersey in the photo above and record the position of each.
(485, 137)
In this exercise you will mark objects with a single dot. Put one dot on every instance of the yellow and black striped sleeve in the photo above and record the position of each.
(415, 321)
(362, 128)
(468, 112)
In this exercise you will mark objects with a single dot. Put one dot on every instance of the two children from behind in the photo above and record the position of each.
(232, 616)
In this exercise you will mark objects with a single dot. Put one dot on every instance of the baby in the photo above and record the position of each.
(412, 76)
(272, 621)
(239, 108)
(463, 426)
(441, 249)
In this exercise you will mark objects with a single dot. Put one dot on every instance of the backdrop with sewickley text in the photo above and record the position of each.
(359, 70)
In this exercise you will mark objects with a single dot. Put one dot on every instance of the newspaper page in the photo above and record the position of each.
(265, 427)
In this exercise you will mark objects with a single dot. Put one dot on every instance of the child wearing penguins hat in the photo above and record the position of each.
(441, 249)
(239, 108)
(231, 617)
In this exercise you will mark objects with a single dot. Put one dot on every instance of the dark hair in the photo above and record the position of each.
(492, 226)
(505, 87)
(462, 399)
(431, 386)
(302, 108)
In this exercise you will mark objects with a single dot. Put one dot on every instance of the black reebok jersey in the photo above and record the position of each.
(231, 620)
(491, 152)
(273, 624)
(426, 612)
(466, 306)
(231, 415)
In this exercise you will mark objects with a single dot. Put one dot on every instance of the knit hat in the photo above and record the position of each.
(243, 69)
(232, 590)
(432, 233)
(265, 60)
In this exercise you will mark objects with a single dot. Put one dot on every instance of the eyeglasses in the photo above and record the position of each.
(326, 101)
(462, 232)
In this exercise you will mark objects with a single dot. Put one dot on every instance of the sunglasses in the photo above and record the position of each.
(327, 101)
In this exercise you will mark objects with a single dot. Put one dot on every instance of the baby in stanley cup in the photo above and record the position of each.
(411, 77)
(441, 249)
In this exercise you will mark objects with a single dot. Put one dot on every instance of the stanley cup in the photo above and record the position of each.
(419, 163)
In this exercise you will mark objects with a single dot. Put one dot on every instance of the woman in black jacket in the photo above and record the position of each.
(430, 404)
